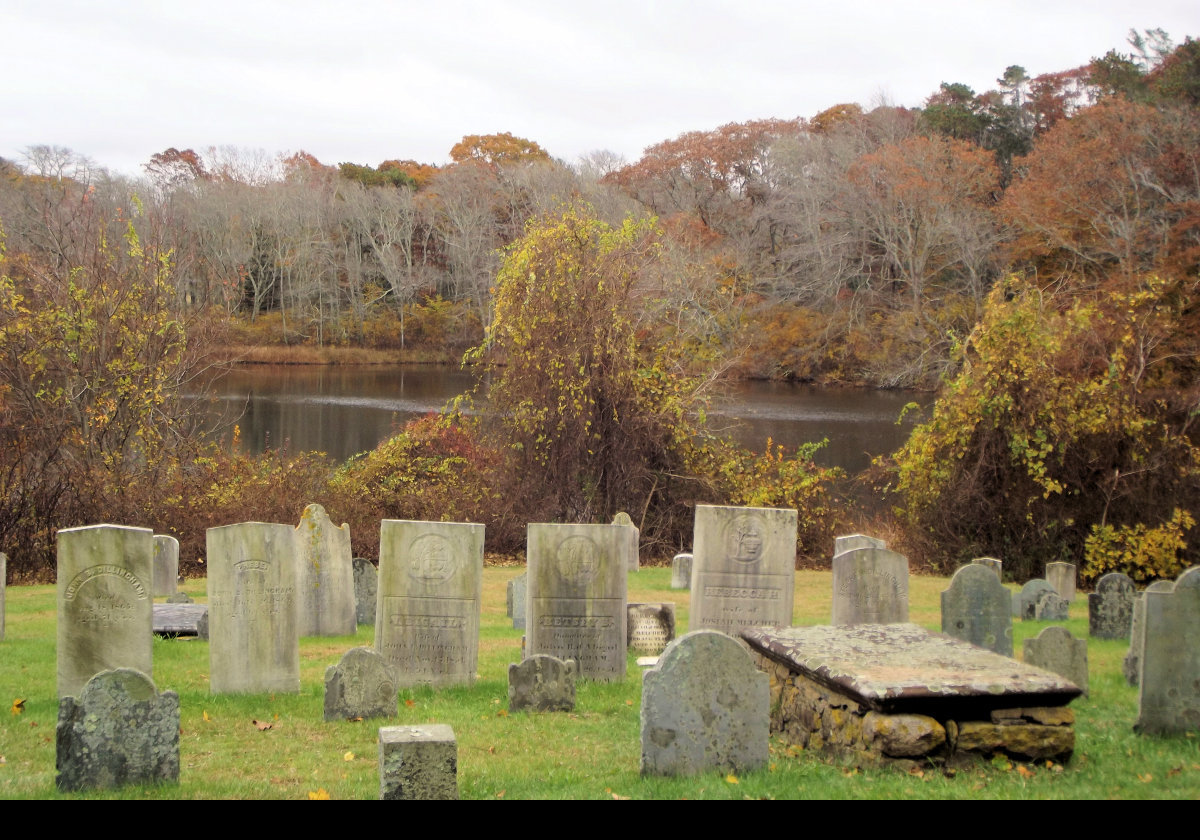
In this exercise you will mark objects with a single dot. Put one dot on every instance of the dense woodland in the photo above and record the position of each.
(1032, 250)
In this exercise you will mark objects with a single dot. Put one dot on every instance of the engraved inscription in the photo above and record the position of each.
(648, 634)
(578, 560)
(429, 638)
(104, 569)
(431, 558)
(744, 539)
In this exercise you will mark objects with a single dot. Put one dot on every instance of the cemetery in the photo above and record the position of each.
(441, 695)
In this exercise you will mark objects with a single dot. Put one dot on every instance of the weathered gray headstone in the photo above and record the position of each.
(542, 684)
(992, 563)
(325, 576)
(632, 538)
(366, 591)
(1025, 601)
(1110, 607)
(105, 606)
(870, 586)
(180, 598)
(681, 571)
(977, 608)
(1062, 577)
(850, 542)
(119, 730)
(743, 568)
(520, 584)
(1169, 686)
(418, 762)
(361, 685)
(254, 641)
(705, 706)
(430, 588)
(1050, 606)
(575, 605)
(166, 565)
(3, 572)
(1057, 651)
(651, 627)
(1131, 665)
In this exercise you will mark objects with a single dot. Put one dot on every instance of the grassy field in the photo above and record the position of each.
(592, 753)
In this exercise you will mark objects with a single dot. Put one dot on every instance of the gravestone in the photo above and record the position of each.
(632, 541)
(418, 762)
(977, 608)
(1131, 665)
(105, 607)
(180, 598)
(575, 605)
(430, 587)
(850, 542)
(542, 684)
(1169, 683)
(870, 586)
(743, 568)
(1050, 606)
(366, 591)
(3, 566)
(519, 586)
(118, 731)
(1025, 601)
(705, 706)
(362, 685)
(1110, 607)
(993, 564)
(651, 627)
(1057, 651)
(325, 576)
(1062, 577)
(681, 571)
(166, 565)
(254, 640)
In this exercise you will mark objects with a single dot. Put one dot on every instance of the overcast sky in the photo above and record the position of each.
(372, 80)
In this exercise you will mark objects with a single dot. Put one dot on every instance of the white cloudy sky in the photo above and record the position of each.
(370, 80)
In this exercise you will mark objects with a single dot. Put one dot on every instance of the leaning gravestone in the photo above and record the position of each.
(166, 565)
(519, 586)
(118, 731)
(850, 542)
(542, 684)
(977, 608)
(992, 563)
(870, 586)
(651, 627)
(254, 643)
(3, 564)
(1169, 685)
(1057, 651)
(430, 587)
(1131, 665)
(1025, 601)
(632, 537)
(418, 762)
(1050, 606)
(681, 571)
(105, 607)
(366, 595)
(362, 685)
(575, 605)
(1062, 577)
(705, 706)
(1110, 607)
(743, 568)
(325, 577)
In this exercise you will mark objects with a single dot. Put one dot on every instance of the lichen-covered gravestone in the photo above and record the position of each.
(1056, 650)
(632, 539)
(575, 605)
(1062, 577)
(325, 576)
(418, 762)
(519, 586)
(651, 627)
(681, 571)
(743, 568)
(704, 707)
(1110, 607)
(118, 731)
(1050, 606)
(1169, 687)
(166, 565)
(362, 685)
(870, 586)
(1131, 666)
(542, 684)
(1025, 601)
(430, 587)
(254, 641)
(977, 608)
(366, 594)
(850, 542)
(105, 607)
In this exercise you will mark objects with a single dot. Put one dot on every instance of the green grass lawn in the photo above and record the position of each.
(592, 753)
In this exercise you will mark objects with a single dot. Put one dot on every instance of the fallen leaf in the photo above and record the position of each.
(1023, 771)
(492, 750)
(18, 705)
(502, 713)
(3, 760)
(1145, 778)
(771, 767)
(500, 795)
(277, 716)
(619, 796)
(357, 719)
(261, 725)
(410, 703)
(207, 719)
(1174, 771)
(732, 779)
(33, 723)
(916, 771)
(348, 757)
(628, 702)
(319, 793)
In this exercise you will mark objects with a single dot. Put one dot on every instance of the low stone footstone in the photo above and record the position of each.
(166, 565)
(1062, 577)
(1137, 636)
(705, 706)
(105, 607)
(418, 762)
(1169, 684)
(519, 585)
(325, 576)
(3, 565)
(632, 538)
(542, 684)
(1055, 649)
(180, 598)
(651, 627)
(850, 542)
(118, 731)
(366, 584)
(681, 571)
(743, 567)
(992, 563)
(977, 608)
(870, 586)
(1025, 601)
(1110, 607)
(361, 685)
(1050, 606)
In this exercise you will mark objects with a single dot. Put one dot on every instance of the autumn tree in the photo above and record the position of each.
(497, 149)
